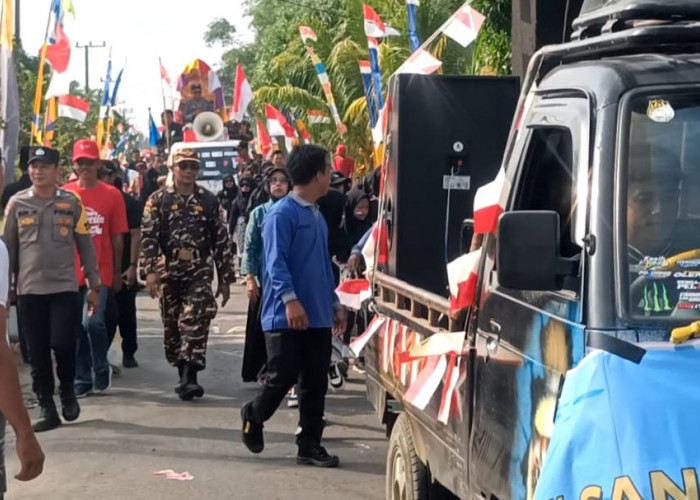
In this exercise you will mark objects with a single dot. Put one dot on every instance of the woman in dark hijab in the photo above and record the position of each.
(237, 214)
(228, 193)
(357, 220)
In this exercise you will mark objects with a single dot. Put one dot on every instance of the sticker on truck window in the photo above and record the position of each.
(461, 182)
(660, 111)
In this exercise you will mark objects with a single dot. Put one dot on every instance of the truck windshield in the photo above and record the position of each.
(663, 207)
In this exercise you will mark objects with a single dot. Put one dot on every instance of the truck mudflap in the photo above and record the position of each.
(627, 430)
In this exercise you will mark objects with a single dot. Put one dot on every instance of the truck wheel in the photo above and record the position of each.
(406, 476)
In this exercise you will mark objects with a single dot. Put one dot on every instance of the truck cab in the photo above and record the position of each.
(597, 249)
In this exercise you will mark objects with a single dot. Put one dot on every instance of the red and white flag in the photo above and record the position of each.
(463, 27)
(427, 382)
(263, 140)
(462, 275)
(370, 251)
(58, 53)
(276, 122)
(352, 293)
(421, 62)
(318, 117)
(449, 389)
(307, 34)
(357, 345)
(365, 67)
(489, 203)
(242, 96)
(374, 26)
(164, 74)
(389, 344)
(73, 107)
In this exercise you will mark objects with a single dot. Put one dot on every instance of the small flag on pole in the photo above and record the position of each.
(374, 26)
(462, 275)
(307, 34)
(242, 96)
(263, 140)
(464, 25)
(421, 62)
(70, 106)
(318, 117)
(164, 73)
(277, 124)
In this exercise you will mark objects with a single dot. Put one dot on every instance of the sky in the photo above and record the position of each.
(138, 31)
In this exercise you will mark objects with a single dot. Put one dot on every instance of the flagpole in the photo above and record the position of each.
(40, 80)
(166, 129)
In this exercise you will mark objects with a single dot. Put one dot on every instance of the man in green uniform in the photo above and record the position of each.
(184, 238)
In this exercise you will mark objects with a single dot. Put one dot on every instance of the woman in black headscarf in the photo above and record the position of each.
(237, 214)
(228, 193)
(357, 219)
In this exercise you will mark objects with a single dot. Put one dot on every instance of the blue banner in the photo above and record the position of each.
(376, 75)
(371, 104)
(412, 31)
(626, 430)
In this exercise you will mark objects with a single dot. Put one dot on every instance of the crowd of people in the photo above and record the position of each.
(75, 250)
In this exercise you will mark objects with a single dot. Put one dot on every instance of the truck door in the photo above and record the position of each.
(526, 341)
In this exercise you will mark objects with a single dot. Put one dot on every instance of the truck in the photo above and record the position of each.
(593, 267)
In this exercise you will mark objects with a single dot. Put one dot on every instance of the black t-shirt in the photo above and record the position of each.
(332, 206)
(134, 213)
(13, 188)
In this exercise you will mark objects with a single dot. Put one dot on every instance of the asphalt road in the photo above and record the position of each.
(141, 426)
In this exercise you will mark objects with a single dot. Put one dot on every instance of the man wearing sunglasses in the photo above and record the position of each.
(184, 239)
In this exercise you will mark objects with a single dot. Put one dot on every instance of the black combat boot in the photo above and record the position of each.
(188, 387)
(48, 419)
(69, 404)
(180, 365)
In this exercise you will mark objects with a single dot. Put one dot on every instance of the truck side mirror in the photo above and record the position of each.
(528, 256)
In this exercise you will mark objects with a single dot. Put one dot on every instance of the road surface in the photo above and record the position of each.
(141, 426)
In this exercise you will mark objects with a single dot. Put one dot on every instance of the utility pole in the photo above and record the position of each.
(87, 48)
(18, 38)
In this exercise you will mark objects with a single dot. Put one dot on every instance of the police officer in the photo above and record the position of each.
(183, 239)
(43, 225)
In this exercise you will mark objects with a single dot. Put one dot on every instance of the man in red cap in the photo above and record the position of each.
(106, 215)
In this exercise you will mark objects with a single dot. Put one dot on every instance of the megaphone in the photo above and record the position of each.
(208, 127)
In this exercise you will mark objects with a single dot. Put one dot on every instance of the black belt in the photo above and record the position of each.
(187, 254)
(606, 342)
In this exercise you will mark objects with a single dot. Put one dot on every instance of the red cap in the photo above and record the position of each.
(85, 148)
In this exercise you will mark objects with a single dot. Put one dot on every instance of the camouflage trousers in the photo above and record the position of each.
(187, 309)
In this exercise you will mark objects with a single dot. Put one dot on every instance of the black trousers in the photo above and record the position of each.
(50, 322)
(124, 316)
(293, 356)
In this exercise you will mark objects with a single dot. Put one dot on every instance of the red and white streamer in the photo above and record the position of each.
(357, 345)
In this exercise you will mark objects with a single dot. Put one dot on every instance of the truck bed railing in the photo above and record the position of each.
(430, 311)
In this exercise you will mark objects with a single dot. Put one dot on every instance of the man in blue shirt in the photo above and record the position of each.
(300, 308)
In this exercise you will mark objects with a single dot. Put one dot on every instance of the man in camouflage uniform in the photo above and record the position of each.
(184, 237)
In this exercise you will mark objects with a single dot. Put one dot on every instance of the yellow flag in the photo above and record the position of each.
(7, 32)
(100, 132)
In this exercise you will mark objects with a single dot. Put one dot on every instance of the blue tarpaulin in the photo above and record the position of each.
(625, 430)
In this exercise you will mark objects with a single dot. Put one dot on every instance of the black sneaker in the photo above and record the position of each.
(129, 362)
(252, 432)
(69, 405)
(316, 456)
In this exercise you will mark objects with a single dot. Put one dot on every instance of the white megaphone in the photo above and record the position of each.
(209, 127)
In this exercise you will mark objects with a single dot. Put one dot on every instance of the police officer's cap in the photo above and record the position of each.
(184, 155)
(46, 155)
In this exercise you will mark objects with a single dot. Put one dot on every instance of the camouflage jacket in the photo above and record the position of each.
(185, 237)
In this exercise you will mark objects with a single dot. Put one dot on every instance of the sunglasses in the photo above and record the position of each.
(188, 165)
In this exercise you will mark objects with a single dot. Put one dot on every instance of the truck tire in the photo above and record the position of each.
(407, 478)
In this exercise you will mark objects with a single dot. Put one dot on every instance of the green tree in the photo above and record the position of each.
(281, 72)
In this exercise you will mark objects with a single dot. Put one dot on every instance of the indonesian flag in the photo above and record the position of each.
(421, 62)
(357, 345)
(489, 204)
(365, 67)
(462, 275)
(242, 96)
(352, 293)
(427, 382)
(73, 107)
(464, 25)
(164, 73)
(276, 122)
(374, 26)
(307, 34)
(318, 117)
(263, 140)
(369, 250)
(449, 389)
(391, 332)
(58, 53)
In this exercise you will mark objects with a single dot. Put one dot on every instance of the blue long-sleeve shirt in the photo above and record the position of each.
(296, 264)
(253, 253)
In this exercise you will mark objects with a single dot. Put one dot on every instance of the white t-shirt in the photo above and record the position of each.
(4, 274)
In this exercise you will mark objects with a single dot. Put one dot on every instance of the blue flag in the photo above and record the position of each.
(366, 72)
(626, 430)
(153, 134)
(376, 72)
(108, 83)
(412, 5)
(118, 81)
